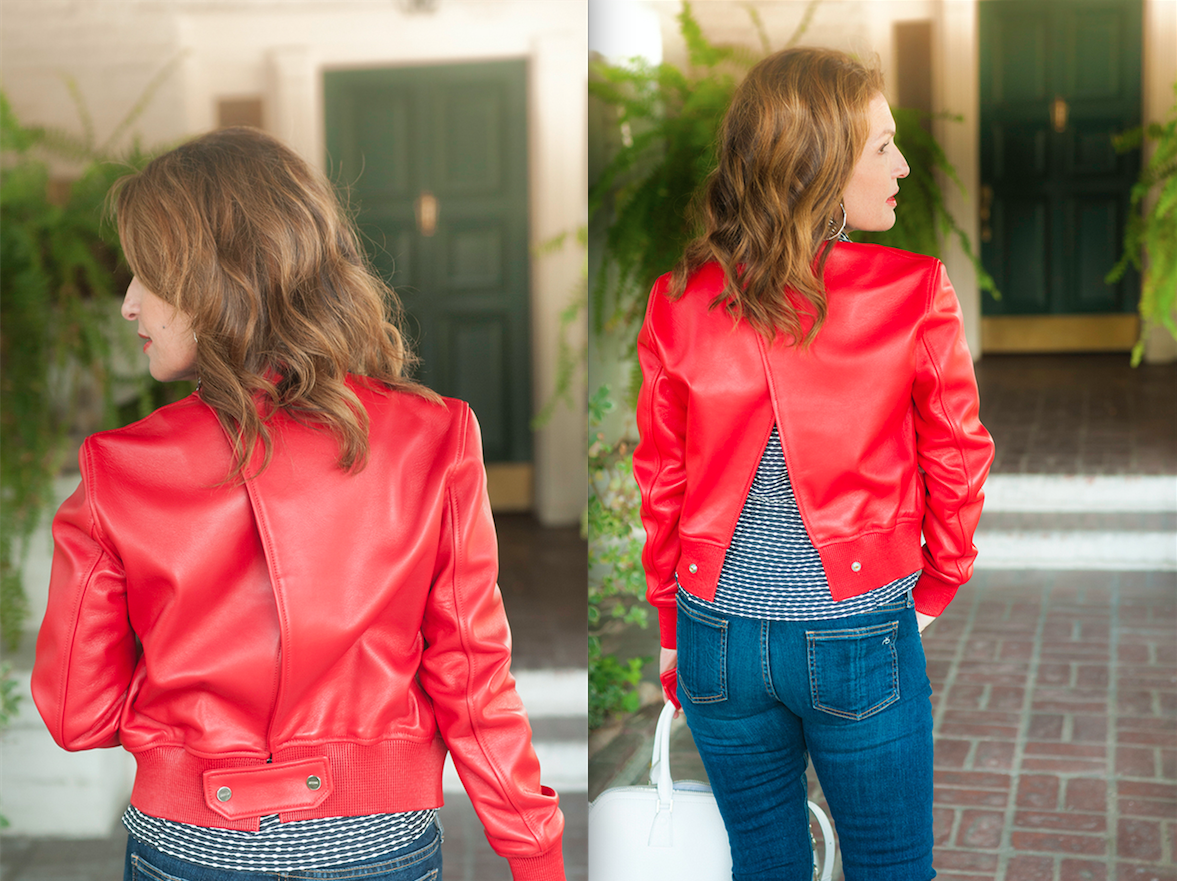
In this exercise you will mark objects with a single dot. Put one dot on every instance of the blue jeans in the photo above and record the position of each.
(851, 694)
(419, 860)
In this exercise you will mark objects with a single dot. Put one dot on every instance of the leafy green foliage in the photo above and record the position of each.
(60, 263)
(669, 120)
(1153, 232)
(612, 684)
(9, 704)
(617, 583)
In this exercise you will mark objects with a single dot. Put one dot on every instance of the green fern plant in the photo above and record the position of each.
(62, 273)
(668, 119)
(1153, 232)
(617, 583)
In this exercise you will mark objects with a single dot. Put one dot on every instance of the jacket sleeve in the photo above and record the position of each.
(86, 649)
(953, 449)
(465, 669)
(659, 465)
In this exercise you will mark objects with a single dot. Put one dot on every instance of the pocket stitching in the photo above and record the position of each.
(719, 625)
(141, 868)
(813, 637)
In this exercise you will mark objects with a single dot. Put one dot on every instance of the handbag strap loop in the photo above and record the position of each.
(660, 761)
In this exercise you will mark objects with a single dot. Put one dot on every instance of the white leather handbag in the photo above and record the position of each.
(670, 831)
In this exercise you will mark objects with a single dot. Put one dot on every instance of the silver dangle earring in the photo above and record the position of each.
(834, 233)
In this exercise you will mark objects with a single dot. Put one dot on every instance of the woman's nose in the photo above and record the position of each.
(130, 309)
(904, 169)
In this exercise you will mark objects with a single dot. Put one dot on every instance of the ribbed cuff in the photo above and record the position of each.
(548, 866)
(668, 626)
(931, 595)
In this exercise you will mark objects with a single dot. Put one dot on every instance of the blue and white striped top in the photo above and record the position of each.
(281, 847)
(772, 570)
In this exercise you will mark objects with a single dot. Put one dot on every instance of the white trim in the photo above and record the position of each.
(1065, 493)
(1062, 551)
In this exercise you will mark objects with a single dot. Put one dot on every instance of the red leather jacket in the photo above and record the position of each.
(309, 624)
(877, 418)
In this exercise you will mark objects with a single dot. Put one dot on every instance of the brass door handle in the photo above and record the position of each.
(426, 210)
(1058, 114)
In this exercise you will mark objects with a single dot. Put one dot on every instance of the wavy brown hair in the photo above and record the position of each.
(787, 150)
(236, 230)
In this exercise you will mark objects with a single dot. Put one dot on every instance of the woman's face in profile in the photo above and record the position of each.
(870, 195)
(169, 343)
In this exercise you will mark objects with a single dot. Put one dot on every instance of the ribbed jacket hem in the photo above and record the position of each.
(852, 567)
(367, 779)
(548, 866)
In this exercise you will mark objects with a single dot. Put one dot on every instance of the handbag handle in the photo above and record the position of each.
(660, 760)
(660, 777)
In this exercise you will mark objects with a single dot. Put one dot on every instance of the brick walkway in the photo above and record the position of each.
(1056, 755)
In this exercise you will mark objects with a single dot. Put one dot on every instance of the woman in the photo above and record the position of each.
(808, 406)
(279, 592)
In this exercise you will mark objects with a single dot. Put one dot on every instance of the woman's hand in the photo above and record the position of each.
(921, 620)
(668, 663)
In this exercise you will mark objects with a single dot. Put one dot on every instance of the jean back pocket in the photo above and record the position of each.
(853, 673)
(702, 655)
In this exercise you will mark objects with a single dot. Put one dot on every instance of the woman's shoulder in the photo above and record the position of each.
(179, 440)
(853, 257)
(890, 273)
(410, 413)
(187, 415)
(684, 317)
(704, 285)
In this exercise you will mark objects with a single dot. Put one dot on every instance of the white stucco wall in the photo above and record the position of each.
(278, 50)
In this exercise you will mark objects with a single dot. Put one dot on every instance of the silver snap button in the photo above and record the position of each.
(314, 782)
(855, 566)
(692, 568)
(224, 793)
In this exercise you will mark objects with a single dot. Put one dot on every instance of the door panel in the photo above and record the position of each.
(1094, 222)
(1022, 223)
(1021, 72)
(469, 138)
(453, 138)
(1058, 79)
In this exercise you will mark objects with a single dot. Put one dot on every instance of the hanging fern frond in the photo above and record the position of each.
(1153, 232)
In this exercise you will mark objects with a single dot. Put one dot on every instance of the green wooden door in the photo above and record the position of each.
(1058, 79)
(435, 159)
